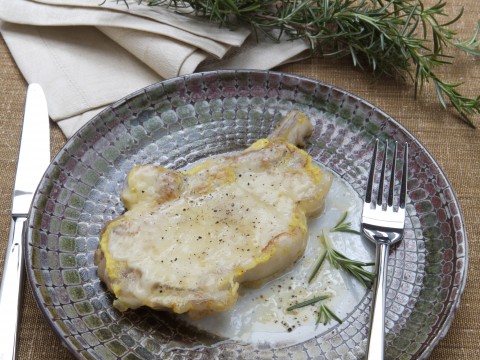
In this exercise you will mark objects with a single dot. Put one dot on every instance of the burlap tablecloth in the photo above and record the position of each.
(455, 146)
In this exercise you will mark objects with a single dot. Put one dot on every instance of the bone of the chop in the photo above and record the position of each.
(294, 128)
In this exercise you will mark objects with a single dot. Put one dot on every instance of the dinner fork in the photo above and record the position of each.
(383, 222)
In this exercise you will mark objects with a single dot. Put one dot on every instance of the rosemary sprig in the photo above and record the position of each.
(308, 302)
(338, 260)
(395, 37)
(343, 226)
(325, 315)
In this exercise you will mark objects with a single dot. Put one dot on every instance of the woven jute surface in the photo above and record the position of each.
(455, 146)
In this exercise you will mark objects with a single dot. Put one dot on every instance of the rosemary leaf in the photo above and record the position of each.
(471, 46)
(343, 226)
(325, 315)
(308, 302)
(346, 228)
(317, 267)
(341, 220)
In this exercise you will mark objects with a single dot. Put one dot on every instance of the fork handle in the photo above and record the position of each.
(376, 338)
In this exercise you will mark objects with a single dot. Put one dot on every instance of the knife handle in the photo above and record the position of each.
(11, 290)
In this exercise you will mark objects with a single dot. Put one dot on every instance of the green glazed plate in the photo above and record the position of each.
(179, 121)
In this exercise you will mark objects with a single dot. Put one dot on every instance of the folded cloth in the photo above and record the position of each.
(79, 68)
(85, 68)
(31, 13)
(180, 18)
(165, 56)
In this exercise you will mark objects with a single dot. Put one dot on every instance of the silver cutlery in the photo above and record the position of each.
(383, 222)
(33, 159)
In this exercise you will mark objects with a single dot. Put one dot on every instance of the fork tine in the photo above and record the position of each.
(382, 176)
(392, 176)
(368, 194)
(403, 190)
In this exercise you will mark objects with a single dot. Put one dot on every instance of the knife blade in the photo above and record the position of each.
(33, 159)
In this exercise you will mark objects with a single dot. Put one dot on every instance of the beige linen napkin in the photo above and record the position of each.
(83, 68)
(165, 56)
(164, 15)
(79, 68)
(30, 13)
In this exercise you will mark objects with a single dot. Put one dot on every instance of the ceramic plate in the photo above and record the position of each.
(183, 120)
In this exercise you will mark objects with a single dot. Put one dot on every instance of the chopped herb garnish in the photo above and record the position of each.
(317, 267)
(325, 315)
(338, 260)
(308, 302)
(343, 226)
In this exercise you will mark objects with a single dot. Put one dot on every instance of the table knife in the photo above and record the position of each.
(33, 159)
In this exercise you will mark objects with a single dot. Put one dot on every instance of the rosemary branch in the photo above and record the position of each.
(389, 37)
